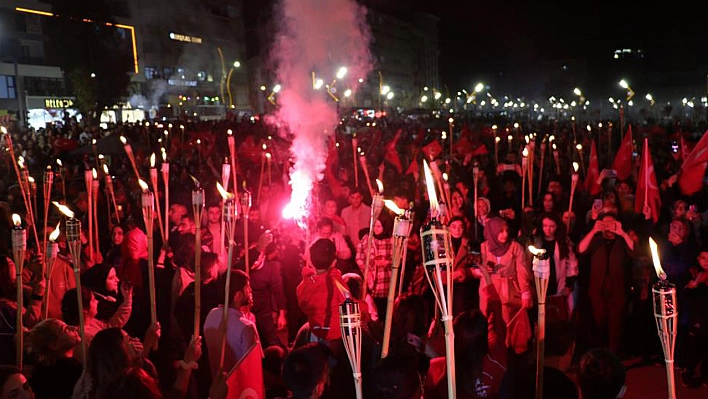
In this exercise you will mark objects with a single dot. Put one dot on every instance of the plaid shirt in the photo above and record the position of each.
(379, 276)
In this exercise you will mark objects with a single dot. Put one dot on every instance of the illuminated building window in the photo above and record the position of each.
(150, 72)
(202, 75)
(7, 87)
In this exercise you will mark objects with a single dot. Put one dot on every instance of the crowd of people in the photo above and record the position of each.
(280, 335)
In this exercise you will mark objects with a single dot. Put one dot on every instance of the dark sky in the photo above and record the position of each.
(485, 37)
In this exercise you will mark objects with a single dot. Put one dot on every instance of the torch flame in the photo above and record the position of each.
(655, 257)
(497, 139)
(123, 140)
(579, 147)
(164, 154)
(268, 155)
(30, 179)
(264, 146)
(526, 138)
(143, 185)
(16, 220)
(93, 141)
(94, 173)
(393, 207)
(196, 182)
(430, 184)
(525, 152)
(3, 130)
(380, 185)
(552, 138)
(152, 160)
(554, 146)
(536, 251)
(575, 167)
(229, 132)
(64, 209)
(224, 194)
(21, 162)
(59, 162)
(55, 234)
(105, 169)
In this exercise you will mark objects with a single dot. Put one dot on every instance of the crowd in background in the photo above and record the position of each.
(283, 301)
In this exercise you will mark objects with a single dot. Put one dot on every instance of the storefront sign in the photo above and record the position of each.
(53, 102)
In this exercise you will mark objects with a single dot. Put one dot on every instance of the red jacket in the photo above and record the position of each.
(319, 298)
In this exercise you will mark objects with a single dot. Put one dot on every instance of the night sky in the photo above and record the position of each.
(489, 37)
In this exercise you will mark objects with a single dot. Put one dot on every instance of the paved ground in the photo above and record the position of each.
(649, 382)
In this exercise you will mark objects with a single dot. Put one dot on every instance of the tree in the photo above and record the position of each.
(97, 55)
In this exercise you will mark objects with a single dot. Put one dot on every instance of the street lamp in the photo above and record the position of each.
(341, 73)
(630, 93)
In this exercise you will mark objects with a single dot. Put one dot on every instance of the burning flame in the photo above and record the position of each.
(229, 132)
(64, 209)
(552, 138)
(30, 179)
(525, 152)
(164, 154)
(430, 184)
(105, 169)
(59, 163)
(16, 220)
(579, 147)
(509, 137)
(144, 186)
(526, 138)
(55, 234)
(3, 130)
(21, 162)
(123, 140)
(93, 141)
(196, 182)
(224, 194)
(380, 185)
(497, 139)
(554, 146)
(655, 257)
(393, 207)
(536, 251)
(264, 146)
(444, 176)
(575, 167)
(268, 155)
(152, 160)
(94, 173)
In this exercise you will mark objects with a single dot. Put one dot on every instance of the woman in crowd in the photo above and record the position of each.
(551, 236)
(380, 262)
(458, 208)
(103, 282)
(505, 261)
(113, 253)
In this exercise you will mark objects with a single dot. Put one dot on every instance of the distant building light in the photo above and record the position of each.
(185, 38)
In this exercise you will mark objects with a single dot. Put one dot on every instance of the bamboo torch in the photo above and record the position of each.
(88, 177)
(19, 246)
(232, 156)
(402, 226)
(365, 168)
(556, 158)
(437, 258)
(573, 185)
(156, 190)
(666, 316)
(524, 170)
(60, 171)
(73, 238)
(245, 201)
(541, 272)
(225, 175)
(52, 249)
(129, 152)
(355, 145)
(198, 209)
(94, 198)
(228, 216)
(111, 193)
(148, 207)
(475, 179)
(350, 324)
(165, 169)
(376, 207)
(540, 168)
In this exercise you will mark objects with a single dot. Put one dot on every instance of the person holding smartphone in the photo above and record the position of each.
(609, 249)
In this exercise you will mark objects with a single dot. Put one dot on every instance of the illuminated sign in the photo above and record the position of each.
(58, 103)
(180, 82)
(185, 38)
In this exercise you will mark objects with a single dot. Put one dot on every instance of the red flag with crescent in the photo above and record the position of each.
(623, 160)
(245, 380)
(690, 178)
(591, 183)
(647, 187)
(392, 153)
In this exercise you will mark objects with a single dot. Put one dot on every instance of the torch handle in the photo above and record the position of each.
(19, 256)
(230, 227)
(397, 255)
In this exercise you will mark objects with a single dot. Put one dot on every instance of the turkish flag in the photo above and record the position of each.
(591, 183)
(245, 380)
(432, 150)
(623, 160)
(392, 153)
(690, 178)
(413, 168)
(647, 187)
